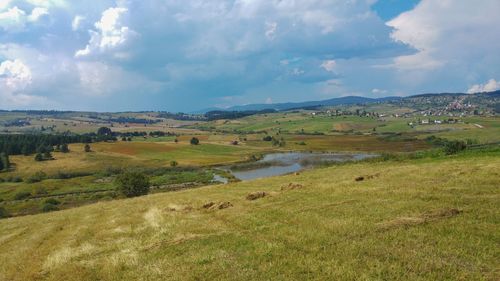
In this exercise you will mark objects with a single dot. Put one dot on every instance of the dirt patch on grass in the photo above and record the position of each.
(217, 205)
(256, 195)
(368, 177)
(179, 208)
(292, 186)
(406, 222)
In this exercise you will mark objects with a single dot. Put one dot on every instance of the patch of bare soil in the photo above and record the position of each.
(217, 205)
(179, 208)
(406, 222)
(368, 177)
(256, 195)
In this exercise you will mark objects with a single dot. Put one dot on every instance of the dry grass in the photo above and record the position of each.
(401, 225)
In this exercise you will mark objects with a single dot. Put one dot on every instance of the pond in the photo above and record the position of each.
(276, 164)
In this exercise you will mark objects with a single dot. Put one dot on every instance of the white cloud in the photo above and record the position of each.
(37, 13)
(447, 32)
(271, 28)
(111, 33)
(297, 71)
(77, 22)
(15, 75)
(13, 19)
(329, 65)
(48, 3)
(4, 4)
(490, 86)
(378, 91)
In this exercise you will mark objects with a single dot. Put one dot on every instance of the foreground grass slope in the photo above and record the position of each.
(430, 219)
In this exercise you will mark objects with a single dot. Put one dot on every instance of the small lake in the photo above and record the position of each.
(276, 164)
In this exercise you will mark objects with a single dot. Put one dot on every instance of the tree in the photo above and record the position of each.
(104, 131)
(47, 155)
(452, 147)
(1, 166)
(87, 148)
(4, 159)
(132, 184)
(173, 163)
(195, 141)
(38, 157)
(64, 148)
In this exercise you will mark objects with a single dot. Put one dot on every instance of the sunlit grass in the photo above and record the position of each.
(399, 223)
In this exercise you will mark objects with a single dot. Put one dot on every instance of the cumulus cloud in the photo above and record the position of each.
(15, 19)
(447, 32)
(329, 65)
(37, 14)
(205, 50)
(111, 33)
(490, 86)
(15, 75)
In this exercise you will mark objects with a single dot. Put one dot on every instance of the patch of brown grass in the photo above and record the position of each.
(405, 222)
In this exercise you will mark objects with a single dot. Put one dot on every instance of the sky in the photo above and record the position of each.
(185, 55)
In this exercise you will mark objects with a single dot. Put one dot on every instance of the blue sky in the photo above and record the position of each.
(111, 55)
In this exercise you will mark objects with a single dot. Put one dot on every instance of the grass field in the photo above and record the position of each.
(427, 219)
(291, 122)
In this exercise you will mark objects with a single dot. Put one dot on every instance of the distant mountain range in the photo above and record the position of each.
(332, 102)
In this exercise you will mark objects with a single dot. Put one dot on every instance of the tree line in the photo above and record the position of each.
(27, 144)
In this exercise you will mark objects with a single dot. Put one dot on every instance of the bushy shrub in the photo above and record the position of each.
(87, 148)
(452, 147)
(4, 213)
(195, 141)
(37, 177)
(22, 195)
(132, 184)
(49, 208)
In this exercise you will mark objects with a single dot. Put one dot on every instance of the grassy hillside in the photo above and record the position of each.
(428, 219)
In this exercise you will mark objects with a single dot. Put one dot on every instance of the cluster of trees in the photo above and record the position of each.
(182, 116)
(143, 134)
(133, 120)
(161, 134)
(4, 161)
(275, 141)
(450, 146)
(38, 143)
(220, 114)
(214, 115)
